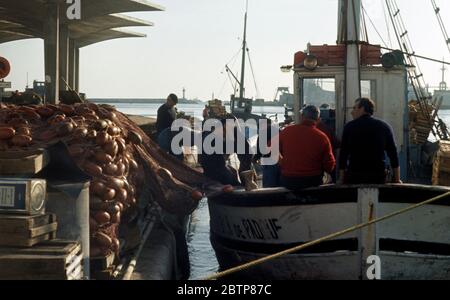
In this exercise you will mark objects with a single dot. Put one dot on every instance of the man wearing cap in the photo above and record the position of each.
(306, 152)
(166, 115)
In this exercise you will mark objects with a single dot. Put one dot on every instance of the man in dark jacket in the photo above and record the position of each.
(215, 164)
(365, 143)
(166, 115)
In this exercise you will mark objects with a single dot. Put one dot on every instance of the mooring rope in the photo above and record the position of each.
(320, 240)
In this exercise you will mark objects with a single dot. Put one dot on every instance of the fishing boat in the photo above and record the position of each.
(246, 226)
(241, 107)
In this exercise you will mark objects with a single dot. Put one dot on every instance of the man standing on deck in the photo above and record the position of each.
(306, 152)
(215, 164)
(166, 115)
(365, 143)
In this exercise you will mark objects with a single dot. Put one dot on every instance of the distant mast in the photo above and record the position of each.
(349, 13)
(443, 84)
(244, 47)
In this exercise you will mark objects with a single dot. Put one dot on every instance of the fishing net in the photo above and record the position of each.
(126, 166)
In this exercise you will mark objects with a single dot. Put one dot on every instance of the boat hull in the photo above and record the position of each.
(246, 226)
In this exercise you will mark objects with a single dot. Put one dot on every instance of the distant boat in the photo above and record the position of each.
(240, 106)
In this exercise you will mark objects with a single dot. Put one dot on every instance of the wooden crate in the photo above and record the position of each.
(441, 165)
(23, 162)
(102, 267)
(107, 274)
(50, 260)
(26, 231)
(103, 262)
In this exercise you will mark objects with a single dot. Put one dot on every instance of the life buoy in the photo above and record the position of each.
(5, 67)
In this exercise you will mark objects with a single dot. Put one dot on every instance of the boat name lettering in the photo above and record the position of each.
(249, 229)
(263, 229)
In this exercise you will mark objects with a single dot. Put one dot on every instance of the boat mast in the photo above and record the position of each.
(349, 13)
(244, 48)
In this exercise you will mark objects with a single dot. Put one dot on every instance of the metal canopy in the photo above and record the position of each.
(26, 18)
(105, 35)
(8, 36)
(47, 19)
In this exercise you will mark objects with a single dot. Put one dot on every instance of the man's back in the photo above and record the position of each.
(306, 151)
(364, 143)
(165, 118)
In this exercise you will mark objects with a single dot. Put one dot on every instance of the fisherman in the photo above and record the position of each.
(166, 116)
(215, 164)
(271, 172)
(326, 124)
(305, 152)
(365, 143)
(205, 112)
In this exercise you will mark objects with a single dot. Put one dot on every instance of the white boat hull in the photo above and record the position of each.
(415, 245)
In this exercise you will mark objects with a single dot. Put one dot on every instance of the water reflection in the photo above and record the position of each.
(201, 254)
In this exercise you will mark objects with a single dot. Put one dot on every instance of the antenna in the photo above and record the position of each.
(443, 84)
(27, 81)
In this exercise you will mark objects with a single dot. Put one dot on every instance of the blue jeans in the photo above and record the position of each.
(165, 139)
(271, 176)
(165, 142)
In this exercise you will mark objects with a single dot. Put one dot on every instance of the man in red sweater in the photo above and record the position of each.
(306, 152)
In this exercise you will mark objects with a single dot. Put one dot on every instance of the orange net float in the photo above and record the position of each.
(5, 67)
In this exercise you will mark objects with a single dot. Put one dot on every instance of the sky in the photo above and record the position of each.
(192, 40)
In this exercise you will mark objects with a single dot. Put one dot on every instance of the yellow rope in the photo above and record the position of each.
(320, 240)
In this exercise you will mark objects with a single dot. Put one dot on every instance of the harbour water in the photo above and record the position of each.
(202, 258)
(195, 110)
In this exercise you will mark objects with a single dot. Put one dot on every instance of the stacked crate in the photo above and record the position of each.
(421, 122)
(441, 165)
(50, 260)
(28, 249)
(26, 231)
(216, 109)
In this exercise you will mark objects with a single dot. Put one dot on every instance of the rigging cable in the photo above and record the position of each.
(441, 23)
(253, 74)
(363, 20)
(416, 78)
(373, 25)
(233, 61)
(386, 20)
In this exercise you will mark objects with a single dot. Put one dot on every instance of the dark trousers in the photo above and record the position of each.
(271, 176)
(300, 183)
(352, 177)
(165, 141)
(223, 174)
